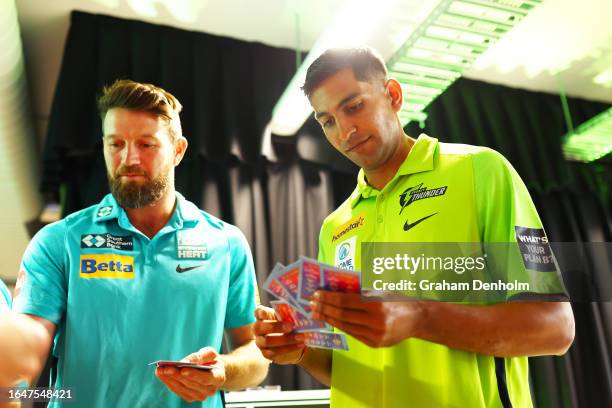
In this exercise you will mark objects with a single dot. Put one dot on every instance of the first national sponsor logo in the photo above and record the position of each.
(109, 266)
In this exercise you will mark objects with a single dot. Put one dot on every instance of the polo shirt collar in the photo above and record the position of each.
(420, 158)
(185, 211)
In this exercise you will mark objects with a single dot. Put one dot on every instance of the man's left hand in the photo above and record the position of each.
(192, 384)
(375, 323)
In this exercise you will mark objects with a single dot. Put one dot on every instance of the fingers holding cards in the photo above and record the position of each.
(295, 285)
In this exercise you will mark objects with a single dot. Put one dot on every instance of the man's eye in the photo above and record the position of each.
(354, 107)
(328, 123)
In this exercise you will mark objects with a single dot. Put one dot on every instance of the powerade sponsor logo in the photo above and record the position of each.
(122, 243)
(352, 224)
(109, 266)
(418, 192)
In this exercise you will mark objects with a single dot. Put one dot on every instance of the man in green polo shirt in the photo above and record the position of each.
(419, 353)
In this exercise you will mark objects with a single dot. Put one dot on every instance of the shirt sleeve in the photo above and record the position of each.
(511, 230)
(41, 286)
(5, 298)
(242, 293)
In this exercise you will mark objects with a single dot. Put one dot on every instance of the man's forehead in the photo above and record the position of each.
(120, 118)
(336, 89)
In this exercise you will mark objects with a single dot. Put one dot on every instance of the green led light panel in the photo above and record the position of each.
(446, 44)
(590, 141)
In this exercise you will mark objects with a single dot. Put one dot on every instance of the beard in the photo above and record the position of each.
(132, 194)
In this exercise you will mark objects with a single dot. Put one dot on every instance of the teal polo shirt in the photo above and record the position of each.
(5, 298)
(121, 300)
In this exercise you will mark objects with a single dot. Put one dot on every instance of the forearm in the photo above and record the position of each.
(318, 363)
(24, 346)
(244, 367)
(503, 330)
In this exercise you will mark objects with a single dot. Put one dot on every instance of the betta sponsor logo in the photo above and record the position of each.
(107, 266)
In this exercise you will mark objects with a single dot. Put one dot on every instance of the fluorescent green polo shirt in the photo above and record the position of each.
(441, 193)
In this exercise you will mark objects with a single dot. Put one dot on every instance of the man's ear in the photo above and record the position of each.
(395, 94)
(180, 147)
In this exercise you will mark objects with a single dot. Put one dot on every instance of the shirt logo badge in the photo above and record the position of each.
(408, 226)
(180, 269)
(345, 254)
(353, 223)
(104, 211)
(190, 247)
(418, 192)
(107, 241)
(109, 266)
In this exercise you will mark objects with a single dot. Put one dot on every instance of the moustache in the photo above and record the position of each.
(131, 171)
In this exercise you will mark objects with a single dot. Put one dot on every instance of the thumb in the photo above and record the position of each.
(203, 356)
(265, 313)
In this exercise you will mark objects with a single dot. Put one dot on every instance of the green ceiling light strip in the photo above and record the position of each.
(446, 44)
(565, 105)
(590, 141)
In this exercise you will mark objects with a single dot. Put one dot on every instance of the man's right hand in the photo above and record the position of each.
(274, 338)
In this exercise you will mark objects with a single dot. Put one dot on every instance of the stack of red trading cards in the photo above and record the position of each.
(295, 284)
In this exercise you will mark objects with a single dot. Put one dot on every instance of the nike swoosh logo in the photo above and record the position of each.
(181, 270)
(408, 226)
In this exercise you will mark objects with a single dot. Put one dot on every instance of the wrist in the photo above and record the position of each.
(224, 364)
(421, 319)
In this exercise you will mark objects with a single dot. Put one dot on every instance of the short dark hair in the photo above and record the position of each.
(363, 61)
(128, 94)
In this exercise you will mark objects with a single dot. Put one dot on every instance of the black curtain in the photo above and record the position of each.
(228, 88)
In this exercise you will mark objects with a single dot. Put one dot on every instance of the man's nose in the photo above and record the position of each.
(346, 129)
(132, 155)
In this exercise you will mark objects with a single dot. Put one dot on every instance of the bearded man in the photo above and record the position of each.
(142, 276)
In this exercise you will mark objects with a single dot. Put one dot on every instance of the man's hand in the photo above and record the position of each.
(192, 384)
(376, 323)
(503, 330)
(274, 338)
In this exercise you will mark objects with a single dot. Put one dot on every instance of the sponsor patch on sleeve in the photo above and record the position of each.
(108, 266)
(535, 249)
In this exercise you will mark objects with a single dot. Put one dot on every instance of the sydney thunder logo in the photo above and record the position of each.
(418, 192)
